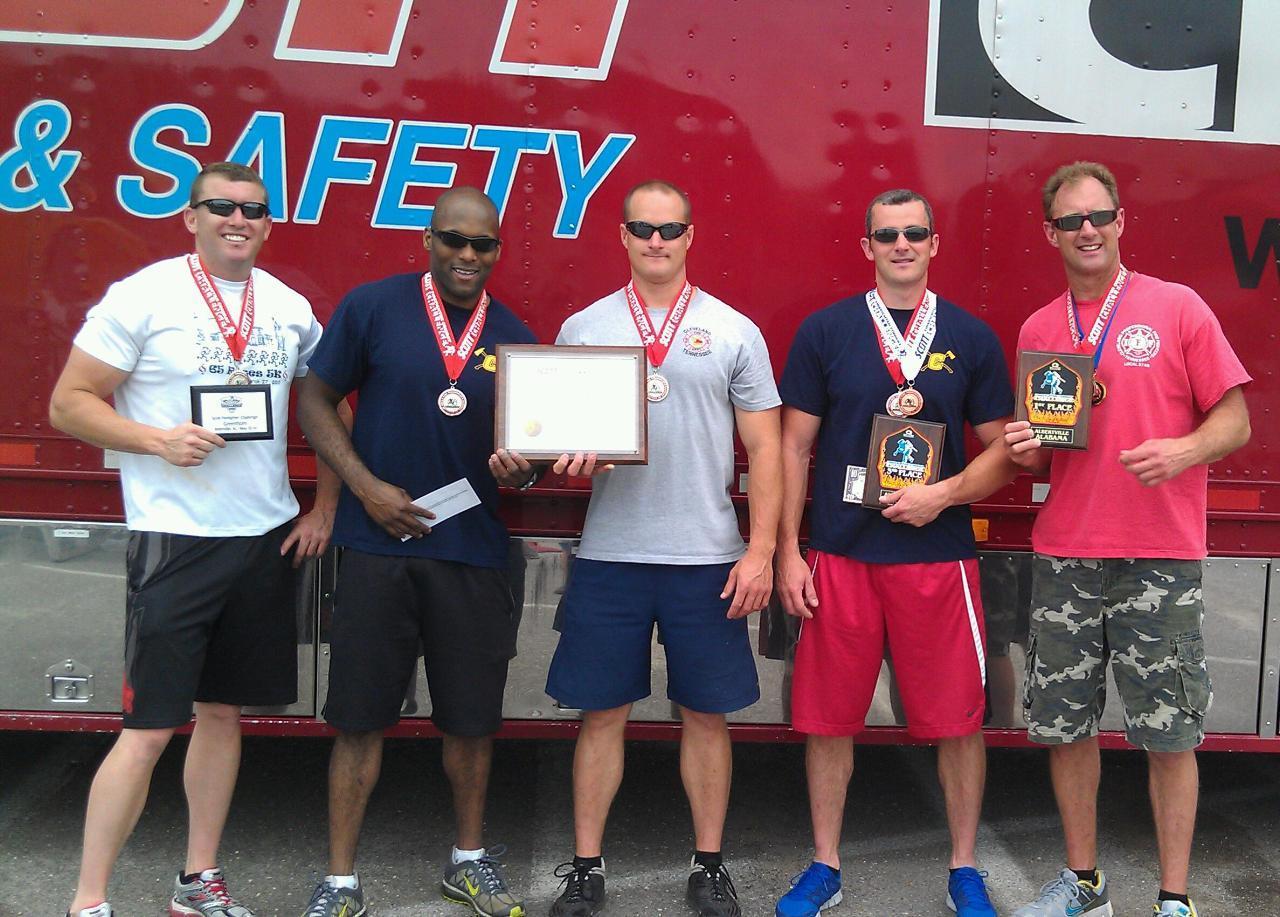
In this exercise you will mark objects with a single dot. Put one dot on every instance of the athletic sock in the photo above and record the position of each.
(461, 856)
(587, 862)
(1172, 896)
(708, 859)
(351, 881)
(1087, 875)
(188, 878)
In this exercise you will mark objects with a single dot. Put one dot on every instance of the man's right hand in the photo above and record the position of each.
(395, 511)
(794, 584)
(187, 445)
(1024, 446)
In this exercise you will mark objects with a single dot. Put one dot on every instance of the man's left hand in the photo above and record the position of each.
(750, 583)
(310, 535)
(916, 505)
(1157, 460)
(510, 469)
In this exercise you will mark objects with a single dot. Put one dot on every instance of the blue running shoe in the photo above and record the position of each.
(814, 890)
(967, 893)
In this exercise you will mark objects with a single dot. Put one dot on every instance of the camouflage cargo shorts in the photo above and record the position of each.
(1145, 616)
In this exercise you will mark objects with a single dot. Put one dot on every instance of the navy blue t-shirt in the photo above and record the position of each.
(381, 344)
(835, 371)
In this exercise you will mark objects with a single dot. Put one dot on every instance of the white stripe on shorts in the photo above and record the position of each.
(973, 624)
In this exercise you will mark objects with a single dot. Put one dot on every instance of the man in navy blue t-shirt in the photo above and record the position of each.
(905, 569)
(415, 348)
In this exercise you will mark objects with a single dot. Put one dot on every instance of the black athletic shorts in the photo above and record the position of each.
(209, 620)
(463, 617)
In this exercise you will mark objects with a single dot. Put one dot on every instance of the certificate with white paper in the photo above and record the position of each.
(558, 399)
(446, 502)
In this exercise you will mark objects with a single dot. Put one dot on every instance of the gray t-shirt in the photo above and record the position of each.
(676, 509)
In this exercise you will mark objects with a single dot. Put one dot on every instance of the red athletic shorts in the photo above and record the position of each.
(932, 616)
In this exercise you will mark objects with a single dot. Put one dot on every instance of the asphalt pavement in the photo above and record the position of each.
(894, 851)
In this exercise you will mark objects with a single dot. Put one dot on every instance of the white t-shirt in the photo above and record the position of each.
(156, 326)
(677, 508)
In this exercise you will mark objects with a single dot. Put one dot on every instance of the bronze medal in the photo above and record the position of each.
(239, 377)
(910, 402)
(1099, 392)
(893, 405)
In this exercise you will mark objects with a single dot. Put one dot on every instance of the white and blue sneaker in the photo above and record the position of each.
(814, 890)
(1068, 896)
(1175, 909)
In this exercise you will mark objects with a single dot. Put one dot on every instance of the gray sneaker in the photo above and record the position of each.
(99, 910)
(1067, 896)
(331, 901)
(481, 884)
(205, 896)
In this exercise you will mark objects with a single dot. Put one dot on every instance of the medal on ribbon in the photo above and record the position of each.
(904, 355)
(657, 344)
(1097, 337)
(235, 336)
(453, 401)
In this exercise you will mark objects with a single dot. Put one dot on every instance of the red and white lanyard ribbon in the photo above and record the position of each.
(657, 344)
(237, 337)
(1100, 323)
(454, 354)
(903, 356)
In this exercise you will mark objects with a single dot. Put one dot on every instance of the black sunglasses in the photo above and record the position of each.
(1073, 221)
(220, 206)
(482, 244)
(887, 235)
(668, 231)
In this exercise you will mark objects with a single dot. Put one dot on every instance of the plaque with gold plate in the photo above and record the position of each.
(904, 451)
(1055, 393)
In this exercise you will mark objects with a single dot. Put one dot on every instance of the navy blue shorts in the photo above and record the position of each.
(610, 610)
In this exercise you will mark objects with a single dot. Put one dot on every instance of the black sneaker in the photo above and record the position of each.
(711, 892)
(583, 893)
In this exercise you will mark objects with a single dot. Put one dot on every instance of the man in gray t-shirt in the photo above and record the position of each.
(661, 546)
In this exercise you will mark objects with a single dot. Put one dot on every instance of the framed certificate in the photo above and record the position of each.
(903, 452)
(234, 412)
(1055, 393)
(558, 399)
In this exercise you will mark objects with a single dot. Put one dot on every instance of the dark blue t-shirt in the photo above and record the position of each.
(381, 344)
(835, 371)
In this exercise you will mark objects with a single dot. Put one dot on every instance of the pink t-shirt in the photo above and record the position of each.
(1166, 362)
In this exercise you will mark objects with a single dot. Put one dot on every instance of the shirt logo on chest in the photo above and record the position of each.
(696, 342)
(938, 361)
(485, 361)
(1138, 344)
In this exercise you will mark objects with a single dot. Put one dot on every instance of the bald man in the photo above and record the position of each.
(413, 347)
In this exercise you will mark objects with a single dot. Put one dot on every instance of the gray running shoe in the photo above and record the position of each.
(331, 901)
(480, 883)
(205, 896)
(1067, 896)
(98, 910)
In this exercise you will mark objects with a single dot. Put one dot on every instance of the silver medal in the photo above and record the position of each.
(239, 377)
(452, 402)
(656, 387)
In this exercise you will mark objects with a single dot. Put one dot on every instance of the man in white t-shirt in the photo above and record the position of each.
(661, 547)
(210, 603)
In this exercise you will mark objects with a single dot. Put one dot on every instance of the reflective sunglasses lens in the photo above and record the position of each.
(885, 236)
(1102, 217)
(916, 233)
(484, 244)
(640, 229)
(670, 231)
(254, 210)
(220, 207)
(1070, 223)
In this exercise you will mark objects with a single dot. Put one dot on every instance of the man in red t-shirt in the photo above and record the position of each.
(1120, 539)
